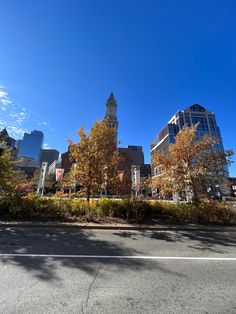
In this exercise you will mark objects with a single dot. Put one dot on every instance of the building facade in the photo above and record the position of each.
(192, 115)
(66, 161)
(28, 166)
(133, 153)
(8, 142)
(5, 137)
(31, 144)
(49, 156)
(145, 171)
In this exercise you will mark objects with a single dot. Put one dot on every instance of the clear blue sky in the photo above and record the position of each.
(59, 60)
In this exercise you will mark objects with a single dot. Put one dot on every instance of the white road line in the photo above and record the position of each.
(122, 257)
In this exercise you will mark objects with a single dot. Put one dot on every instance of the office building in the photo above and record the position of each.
(136, 154)
(192, 115)
(49, 156)
(31, 145)
(133, 153)
(66, 162)
(28, 166)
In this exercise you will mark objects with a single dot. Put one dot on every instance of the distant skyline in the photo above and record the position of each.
(60, 60)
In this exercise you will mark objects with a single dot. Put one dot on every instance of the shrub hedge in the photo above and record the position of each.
(55, 208)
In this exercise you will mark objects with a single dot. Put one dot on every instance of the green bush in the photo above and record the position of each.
(214, 212)
(125, 209)
(107, 207)
(30, 207)
(205, 212)
(13, 206)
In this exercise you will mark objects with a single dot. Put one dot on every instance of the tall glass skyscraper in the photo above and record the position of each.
(31, 145)
(190, 116)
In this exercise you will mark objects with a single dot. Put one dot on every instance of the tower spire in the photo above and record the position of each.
(111, 110)
(111, 100)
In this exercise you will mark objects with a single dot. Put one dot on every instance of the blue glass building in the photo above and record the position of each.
(192, 115)
(31, 145)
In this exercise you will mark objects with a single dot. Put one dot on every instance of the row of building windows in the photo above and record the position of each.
(212, 125)
(202, 123)
(203, 126)
(163, 132)
(187, 119)
(164, 146)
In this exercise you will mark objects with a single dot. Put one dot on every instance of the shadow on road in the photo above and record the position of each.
(65, 242)
(210, 241)
(69, 241)
(215, 242)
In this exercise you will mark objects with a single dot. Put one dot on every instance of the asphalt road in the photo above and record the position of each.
(70, 270)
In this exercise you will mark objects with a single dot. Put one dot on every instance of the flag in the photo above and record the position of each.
(120, 175)
(59, 174)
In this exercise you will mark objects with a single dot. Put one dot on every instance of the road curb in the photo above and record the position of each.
(192, 227)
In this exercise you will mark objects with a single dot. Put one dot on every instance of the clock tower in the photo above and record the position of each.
(111, 118)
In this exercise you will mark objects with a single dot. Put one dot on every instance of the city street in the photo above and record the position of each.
(72, 270)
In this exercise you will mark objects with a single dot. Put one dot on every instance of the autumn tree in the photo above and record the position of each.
(7, 168)
(68, 181)
(10, 176)
(95, 157)
(121, 183)
(190, 163)
(145, 185)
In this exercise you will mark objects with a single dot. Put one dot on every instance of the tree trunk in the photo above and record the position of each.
(195, 194)
(88, 194)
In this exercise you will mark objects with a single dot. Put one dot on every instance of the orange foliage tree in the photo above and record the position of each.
(190, 163)
(95, 158)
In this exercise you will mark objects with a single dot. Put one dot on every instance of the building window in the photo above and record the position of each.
(202, 123)
(181, 120)
(187, 120)
(172, 139)
(212, 125)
